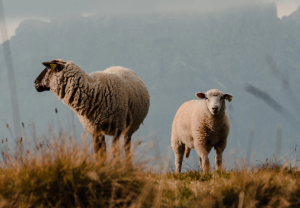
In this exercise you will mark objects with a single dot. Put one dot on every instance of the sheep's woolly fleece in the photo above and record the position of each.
(104, 100)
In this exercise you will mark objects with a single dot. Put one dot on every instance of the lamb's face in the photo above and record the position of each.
(42, 82)
(215, 100)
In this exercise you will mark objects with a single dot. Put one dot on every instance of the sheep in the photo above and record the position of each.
(201, 124)
(111, 102)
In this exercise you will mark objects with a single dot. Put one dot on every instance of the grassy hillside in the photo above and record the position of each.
(63, 173)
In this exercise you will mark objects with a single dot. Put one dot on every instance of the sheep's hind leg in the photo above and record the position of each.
(100, 146)
(127, 145)
(179, 152)
(116, 145)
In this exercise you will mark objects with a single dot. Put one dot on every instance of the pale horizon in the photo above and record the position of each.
(284, 8)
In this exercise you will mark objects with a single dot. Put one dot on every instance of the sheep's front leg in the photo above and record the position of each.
(200, 162)
(116, 145)
(100, 145)
(205, 162)
(218, 158)
(203, 156)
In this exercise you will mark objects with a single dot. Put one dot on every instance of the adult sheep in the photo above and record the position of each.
(110, 102)
(201, 124)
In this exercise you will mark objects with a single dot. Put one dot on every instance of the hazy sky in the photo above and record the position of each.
(16, 10)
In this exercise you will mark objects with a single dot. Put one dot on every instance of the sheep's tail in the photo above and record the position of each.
(187, 151)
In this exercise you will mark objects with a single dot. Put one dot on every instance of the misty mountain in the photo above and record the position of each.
(176, 56)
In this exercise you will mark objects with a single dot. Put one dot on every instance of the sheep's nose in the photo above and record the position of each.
(215, 109)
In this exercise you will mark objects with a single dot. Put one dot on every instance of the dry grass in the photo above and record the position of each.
(63, 173)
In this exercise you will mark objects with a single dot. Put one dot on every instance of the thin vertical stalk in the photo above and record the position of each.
(10, 74)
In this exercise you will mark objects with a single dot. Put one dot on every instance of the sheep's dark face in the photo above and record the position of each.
(215, 100)
(42, 82)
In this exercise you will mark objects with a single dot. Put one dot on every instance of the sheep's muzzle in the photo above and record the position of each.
(215, 110)
(39, 87)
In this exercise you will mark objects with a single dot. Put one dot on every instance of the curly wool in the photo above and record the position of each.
(105, 100)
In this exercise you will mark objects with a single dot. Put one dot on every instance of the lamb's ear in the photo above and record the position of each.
(54, 65)
(228, 97)
(200, 95)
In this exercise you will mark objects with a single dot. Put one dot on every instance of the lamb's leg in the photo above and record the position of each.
(203, 154)
(100, 145)
(179, 152)
(127, 146)
(205, 163)
(218, 158)
(116, 145)
(200, 162)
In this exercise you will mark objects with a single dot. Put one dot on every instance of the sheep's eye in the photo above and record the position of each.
(206, 98)
(221, 98)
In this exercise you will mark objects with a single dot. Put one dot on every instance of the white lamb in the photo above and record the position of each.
(110, 102)
(201, 124)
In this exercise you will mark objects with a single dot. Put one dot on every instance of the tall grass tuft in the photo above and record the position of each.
(61, 172)
(64, 173)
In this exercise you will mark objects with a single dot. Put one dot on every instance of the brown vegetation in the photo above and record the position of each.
(63, 173)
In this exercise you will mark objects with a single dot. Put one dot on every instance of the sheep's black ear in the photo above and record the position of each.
(55, 65)
(46, 64)
(228, 97)
(200, 95)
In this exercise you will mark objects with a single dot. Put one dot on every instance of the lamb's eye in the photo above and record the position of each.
(206, 98)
